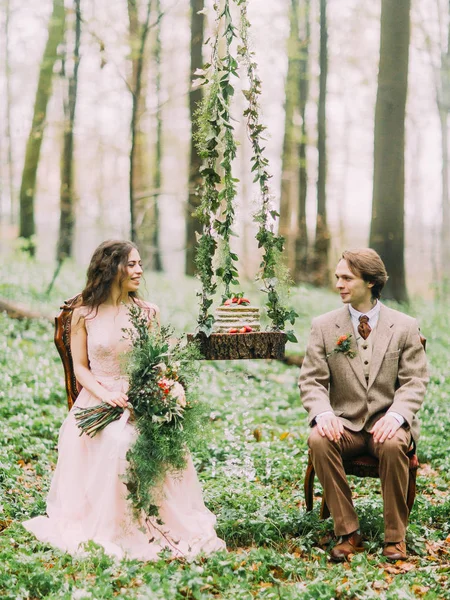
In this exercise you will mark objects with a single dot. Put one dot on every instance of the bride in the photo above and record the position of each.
(88, 498)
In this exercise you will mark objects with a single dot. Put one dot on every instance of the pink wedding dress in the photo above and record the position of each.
(87, 498)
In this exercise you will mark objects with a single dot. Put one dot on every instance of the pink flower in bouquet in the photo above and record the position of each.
(175, 389)
(164, 384)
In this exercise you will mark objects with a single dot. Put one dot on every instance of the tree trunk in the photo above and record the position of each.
(139, 182)
(301, 243)
(322, 241)
(20, 311)
(195, 97)
(9, 151)
(445, 225)
(294, 168)
(290, 159)
(445, 214)
(387, 227)
(157, 180)
(67, 190)
(33, 149)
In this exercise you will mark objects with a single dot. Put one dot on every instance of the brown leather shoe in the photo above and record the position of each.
(395, 551)
(350, 544)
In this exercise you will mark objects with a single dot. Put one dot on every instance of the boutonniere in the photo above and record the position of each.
(343, 345)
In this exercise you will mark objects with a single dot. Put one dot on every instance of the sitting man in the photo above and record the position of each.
(362, 382)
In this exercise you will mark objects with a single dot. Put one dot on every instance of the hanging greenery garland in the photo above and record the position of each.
(215, 134)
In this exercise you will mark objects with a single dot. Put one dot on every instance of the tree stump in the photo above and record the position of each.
(239, 346)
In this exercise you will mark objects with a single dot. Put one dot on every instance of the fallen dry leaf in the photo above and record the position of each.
(426, 470)
(257, 434)
(380, 585)
(436, 549)
(4, 523)
(399, 567)
(420, 590)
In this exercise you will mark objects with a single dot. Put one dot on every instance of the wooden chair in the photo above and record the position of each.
(63, 324)
(364, 465)
(361, 466)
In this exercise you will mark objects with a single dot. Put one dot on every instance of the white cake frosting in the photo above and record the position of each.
(236, 316)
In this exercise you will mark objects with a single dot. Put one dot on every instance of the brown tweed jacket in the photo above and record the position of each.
(334, 381)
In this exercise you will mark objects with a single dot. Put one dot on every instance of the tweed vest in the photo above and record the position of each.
(365, 348)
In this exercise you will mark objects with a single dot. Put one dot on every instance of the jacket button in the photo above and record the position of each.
(366, 362)
(365, 347)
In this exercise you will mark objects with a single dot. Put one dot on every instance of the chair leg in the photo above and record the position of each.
(308, 485)
(324, 510)
(411, 495)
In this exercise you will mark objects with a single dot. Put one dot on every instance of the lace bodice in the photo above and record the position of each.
(107, 342)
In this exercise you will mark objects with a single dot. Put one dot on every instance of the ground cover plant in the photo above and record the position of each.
(251, 461)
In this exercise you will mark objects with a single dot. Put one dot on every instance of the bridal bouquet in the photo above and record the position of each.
(167, 419)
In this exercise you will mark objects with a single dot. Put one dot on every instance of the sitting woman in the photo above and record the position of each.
(88, 497)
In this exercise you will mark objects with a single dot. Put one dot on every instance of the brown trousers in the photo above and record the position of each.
(327, 459)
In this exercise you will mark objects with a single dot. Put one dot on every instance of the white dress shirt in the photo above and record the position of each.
(373, 314)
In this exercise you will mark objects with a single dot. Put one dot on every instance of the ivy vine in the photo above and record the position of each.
(216, 211)
(271, 243)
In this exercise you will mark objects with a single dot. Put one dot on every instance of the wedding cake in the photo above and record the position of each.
(236, 316)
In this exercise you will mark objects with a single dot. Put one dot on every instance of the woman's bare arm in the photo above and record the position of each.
(78, 346)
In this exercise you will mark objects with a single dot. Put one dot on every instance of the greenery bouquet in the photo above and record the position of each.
(167, 419)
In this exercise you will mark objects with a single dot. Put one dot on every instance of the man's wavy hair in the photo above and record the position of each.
(110, 258)
(367, 264)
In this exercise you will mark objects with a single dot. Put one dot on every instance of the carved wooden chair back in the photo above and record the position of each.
(63, 324)
(364, 465)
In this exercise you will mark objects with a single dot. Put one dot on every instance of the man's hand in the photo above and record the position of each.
(384, 428)
(330, 426)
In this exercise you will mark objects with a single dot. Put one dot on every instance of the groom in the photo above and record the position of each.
(362, 382)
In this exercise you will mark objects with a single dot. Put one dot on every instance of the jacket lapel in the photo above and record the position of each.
(384, 332)
(344, 325)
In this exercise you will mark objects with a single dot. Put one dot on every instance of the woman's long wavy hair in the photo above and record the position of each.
(110, 258)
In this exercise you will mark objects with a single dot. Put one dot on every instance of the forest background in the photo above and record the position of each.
(105, 109)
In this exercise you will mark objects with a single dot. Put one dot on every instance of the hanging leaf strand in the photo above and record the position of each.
(228, 68)
(217, 208)
(271, 243)
(207, 137)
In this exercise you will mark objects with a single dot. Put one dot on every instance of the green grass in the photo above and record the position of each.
(251, 463)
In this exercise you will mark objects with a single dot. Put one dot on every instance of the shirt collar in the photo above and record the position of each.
(372, 314)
